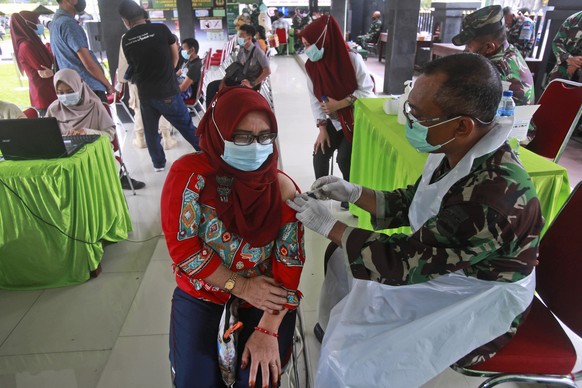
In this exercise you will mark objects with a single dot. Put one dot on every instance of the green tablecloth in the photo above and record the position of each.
(80, 195)
(382, 159)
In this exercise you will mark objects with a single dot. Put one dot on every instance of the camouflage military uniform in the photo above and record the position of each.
(372, 34)
(567, 43)
(489, 226)
(513, 68)
(521, 34)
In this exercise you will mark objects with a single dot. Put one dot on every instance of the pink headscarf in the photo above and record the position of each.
(88, 113)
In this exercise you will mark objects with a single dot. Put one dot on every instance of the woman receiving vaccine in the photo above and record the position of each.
(231, 235)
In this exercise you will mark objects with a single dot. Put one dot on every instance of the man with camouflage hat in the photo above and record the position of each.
(567, 48)
(483, 32)
(520, 30)
(474, 209)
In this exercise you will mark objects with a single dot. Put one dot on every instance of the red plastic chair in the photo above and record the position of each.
(556, 118)
(31, 113)
(118, 155)
(282, 35)
(541, 352)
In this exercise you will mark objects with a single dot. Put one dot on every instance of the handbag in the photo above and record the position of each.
(227, 340)
(236, 71)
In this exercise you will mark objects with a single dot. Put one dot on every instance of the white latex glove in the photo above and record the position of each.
(332, 187)
(313, 214)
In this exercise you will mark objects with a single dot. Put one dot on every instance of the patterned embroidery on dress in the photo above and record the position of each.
(190, 212)
(287, 246)
(196, 262)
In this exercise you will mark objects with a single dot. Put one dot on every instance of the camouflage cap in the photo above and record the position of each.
(481, 22)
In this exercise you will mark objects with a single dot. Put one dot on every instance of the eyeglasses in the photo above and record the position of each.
(411, 119)
(245, 139)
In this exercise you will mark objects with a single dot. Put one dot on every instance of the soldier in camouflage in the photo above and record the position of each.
(373, 32)
(567, 48)
(489, 221)
(483, 33)
(520, 30)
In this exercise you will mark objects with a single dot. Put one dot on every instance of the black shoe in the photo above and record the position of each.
(125, 183)
(318, 331)
(345, 205)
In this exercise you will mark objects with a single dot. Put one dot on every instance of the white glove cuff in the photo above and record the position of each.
(356, 193)
(327, 224)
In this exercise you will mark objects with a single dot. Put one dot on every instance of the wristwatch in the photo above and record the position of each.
(351, 99)
(230, 283)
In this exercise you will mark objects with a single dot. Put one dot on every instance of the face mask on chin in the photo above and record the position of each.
(313, 53)
(69, 99)
(417, 134)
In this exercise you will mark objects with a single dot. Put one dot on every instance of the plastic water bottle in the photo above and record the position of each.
(506, 105)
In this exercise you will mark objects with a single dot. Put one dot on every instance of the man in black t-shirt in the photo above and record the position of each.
(191, 80)
(152, 55)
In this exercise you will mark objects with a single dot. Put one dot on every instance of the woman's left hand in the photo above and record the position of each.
(330, 106)
(262, 350)
(45, 72)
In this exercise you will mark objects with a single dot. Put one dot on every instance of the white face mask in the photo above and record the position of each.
(69, 99)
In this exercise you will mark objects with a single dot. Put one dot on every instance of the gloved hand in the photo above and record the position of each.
(332, 187)
(313, 214)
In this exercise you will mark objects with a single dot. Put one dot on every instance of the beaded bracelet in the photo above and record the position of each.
(265, 331)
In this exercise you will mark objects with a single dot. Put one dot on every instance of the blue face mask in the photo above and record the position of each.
(185, 54)
(240, 40)
(39, 29)
(246, 158)
(417, 133)
(313, 53)
(69, 99)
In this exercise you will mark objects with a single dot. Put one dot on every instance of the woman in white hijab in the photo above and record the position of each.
(78, 110)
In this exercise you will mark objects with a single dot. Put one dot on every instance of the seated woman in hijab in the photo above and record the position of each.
(77, 109)
(80, 112)
(231, 235)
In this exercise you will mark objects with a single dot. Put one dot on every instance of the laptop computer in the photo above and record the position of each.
(31, 139)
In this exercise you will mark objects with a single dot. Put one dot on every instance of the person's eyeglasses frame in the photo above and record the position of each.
(244, 139)
(411, 119)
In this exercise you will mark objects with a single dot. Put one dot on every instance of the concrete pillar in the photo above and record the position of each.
(401, 21)
(185, 19)
(338, 11)
(449, 16)
(112, 29)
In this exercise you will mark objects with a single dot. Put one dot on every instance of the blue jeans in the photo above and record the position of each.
(193, 341)
(175, 111)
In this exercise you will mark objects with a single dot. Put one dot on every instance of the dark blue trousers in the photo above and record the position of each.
(176, 112)
(193, 341)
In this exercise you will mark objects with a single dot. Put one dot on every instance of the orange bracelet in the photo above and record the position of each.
(265, 331)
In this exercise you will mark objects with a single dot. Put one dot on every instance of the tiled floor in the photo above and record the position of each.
(112, 331)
